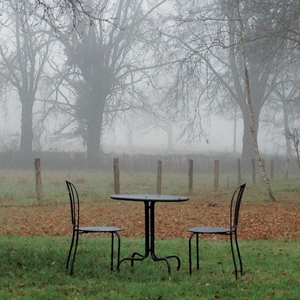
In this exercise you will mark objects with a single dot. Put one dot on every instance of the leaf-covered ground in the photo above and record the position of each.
(280, 219)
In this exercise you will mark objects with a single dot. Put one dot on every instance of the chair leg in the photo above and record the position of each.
(112, 250)
(239, 254)
(119, 248)
(197, 249)
(70, 251)
(190, 252)
(75, 251)
(233, 256)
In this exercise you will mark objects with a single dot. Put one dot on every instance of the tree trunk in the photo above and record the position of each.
(170, 136)
(286, 129)
(94, 130)
(26, 128)
(93, 139)
(251, 112)
(248, 151)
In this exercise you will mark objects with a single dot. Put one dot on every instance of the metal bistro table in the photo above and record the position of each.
(149, 202)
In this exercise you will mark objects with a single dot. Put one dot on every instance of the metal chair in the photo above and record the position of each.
(231, 231)
(74, 201)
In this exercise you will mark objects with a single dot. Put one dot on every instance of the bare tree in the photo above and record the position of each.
(249, 101)
(283, 106)
(23, 53)
(286, 96)
(57, 12)
(106, 62)
(205, 36)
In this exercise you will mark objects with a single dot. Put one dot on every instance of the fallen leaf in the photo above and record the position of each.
(283, 292)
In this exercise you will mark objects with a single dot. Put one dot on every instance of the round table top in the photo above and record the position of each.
(149, 197)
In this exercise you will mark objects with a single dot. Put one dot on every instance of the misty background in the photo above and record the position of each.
(148, 77)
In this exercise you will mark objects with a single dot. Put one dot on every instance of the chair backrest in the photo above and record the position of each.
(235, 206)
(74, 203)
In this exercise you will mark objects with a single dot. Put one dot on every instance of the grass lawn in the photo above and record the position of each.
(34, 268)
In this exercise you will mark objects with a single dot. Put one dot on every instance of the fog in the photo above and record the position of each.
(161, 77)
(219, 137)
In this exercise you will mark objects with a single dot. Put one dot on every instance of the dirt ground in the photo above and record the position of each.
(268, 219)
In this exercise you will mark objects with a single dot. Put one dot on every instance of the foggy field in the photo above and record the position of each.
(147, 77)
(17, 187)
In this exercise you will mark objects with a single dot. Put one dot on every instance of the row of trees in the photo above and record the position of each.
(78, 66)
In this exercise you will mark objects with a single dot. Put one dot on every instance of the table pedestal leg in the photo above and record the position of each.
(150, 240)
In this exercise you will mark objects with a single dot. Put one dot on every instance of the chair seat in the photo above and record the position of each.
(210, 230)
(99, 229)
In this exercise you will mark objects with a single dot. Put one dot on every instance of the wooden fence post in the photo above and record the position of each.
(38, 180)
(216, 175)
(116, 176)
(191, 170)
(253, 171)
(239, 172)
(159, 177)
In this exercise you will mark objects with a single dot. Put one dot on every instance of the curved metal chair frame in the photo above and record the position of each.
(74, 202)
(232, 231)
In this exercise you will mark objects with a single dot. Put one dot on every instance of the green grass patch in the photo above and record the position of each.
(287, 185)
(34, 268)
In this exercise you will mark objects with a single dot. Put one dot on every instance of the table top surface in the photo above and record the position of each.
(149, 197)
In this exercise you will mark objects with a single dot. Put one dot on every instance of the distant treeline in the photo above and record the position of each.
(202, 163)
